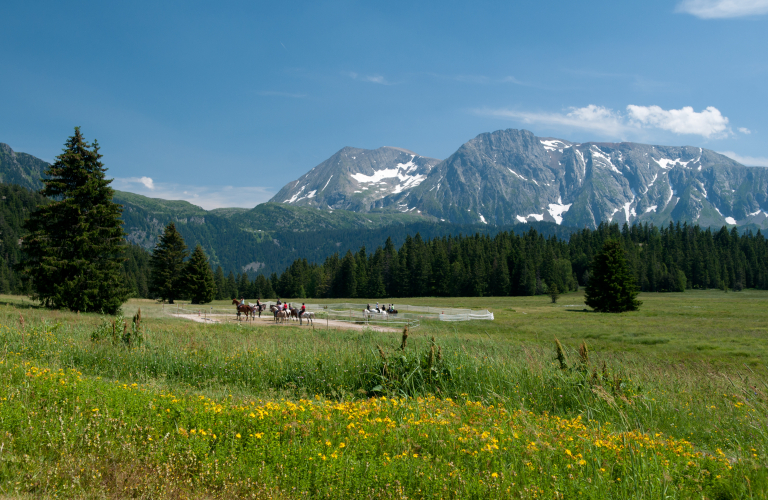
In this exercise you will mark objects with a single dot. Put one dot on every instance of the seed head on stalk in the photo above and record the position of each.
(560, 354)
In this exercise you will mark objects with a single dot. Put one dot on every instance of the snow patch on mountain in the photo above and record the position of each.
(554, 145)
(515, 173)
(556, 210)
(604, 159)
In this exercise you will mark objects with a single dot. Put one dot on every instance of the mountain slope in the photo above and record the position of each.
(512, 176)
(21, 169)
(357, 179)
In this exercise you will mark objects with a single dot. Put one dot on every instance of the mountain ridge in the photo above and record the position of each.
(512, 176)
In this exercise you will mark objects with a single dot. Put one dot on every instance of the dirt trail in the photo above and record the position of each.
(269, 321)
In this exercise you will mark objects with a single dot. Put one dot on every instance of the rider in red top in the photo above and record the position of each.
(303, 309)
(285, 306)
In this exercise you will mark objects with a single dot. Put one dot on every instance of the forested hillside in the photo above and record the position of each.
(668, 259)
(16, 203)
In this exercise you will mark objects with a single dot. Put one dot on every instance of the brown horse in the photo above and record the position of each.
(294, 313)
(242, 308)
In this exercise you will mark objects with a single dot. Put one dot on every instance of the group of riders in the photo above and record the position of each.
(387, 308)
(280, 305)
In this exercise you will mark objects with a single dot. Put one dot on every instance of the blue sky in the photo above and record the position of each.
(222, 103)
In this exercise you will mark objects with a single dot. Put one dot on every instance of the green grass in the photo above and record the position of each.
(686, 372)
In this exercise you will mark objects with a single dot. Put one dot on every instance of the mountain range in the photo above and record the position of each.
(512, 176)
(508, 179)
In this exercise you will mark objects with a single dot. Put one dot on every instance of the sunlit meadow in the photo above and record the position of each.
(172, 408)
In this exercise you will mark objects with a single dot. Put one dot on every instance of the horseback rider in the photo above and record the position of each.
(368, 307)
(258, 306)
(377, 308)
(303, 309)
(278, 301)
(242, 301)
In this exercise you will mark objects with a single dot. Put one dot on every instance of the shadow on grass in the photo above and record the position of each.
(20, 304)
(579, 311)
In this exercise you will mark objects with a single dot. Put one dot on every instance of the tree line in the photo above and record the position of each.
(71, 252)
(662, 259)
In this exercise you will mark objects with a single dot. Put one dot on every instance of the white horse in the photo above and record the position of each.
(309, 316)
(367, 314)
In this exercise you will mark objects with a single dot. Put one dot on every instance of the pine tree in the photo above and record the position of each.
(167, 265)
(200, 283)
(611, 285)
(76, 244)
(221, 284)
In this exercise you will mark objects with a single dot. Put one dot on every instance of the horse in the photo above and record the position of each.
(259, 307)
(242, 308)
(309, 316)
(282, 315)
(367, 313)
(294, 312)
(279, 312)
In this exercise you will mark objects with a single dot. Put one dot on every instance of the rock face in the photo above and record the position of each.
(357, 179)
(21, 168)
(512, 176)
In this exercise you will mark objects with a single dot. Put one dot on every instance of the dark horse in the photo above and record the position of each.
(242, 308)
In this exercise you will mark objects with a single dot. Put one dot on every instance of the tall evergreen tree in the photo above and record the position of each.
(167, 265)
(231, 286)
(200, 283)
(76, 244)
(611, 285)
(221, 284)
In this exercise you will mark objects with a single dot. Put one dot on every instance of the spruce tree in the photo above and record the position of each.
(611, 286)
(200, 283)
(76, 244)
(167, 265)
(221, 284)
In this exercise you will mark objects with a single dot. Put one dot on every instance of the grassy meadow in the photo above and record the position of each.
(669, 401)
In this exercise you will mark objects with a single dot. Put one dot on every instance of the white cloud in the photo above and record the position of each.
(369, 78)
(147, 182)
(718, 9)
(750, 161)
(708, 123)
(206, 197)
(744, 130)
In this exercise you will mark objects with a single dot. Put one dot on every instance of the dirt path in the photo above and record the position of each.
(269, 321)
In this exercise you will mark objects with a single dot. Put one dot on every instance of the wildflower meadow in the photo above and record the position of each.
(103, 407)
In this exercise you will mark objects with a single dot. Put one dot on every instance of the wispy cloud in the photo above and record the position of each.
(596, 118)
(750, 161)
(719, 9)
(207, 197)
(709, 123)
(744, 130)
(369, 78)
(479, 79)
(278, 93)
